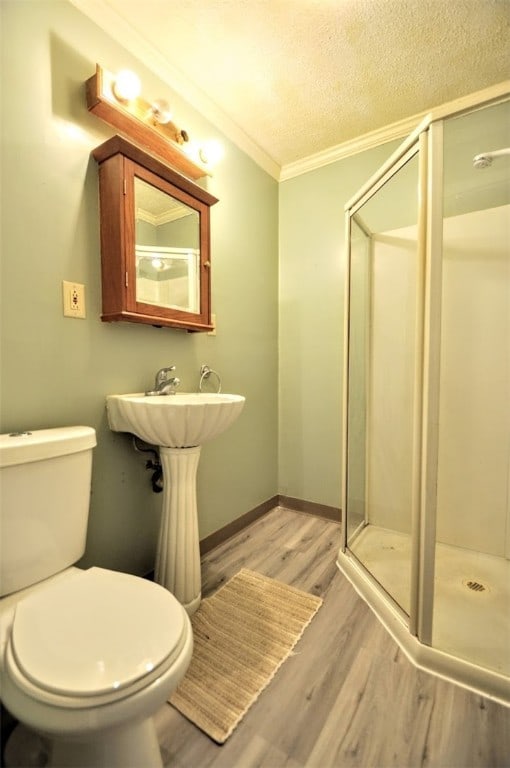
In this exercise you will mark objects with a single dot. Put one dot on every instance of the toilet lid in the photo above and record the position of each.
(96, 632)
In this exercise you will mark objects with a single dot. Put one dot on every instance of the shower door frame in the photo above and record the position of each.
(422, 537)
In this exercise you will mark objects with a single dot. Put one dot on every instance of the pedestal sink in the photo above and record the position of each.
(179, 425)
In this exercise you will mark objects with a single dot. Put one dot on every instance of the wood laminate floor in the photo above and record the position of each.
(348, 696)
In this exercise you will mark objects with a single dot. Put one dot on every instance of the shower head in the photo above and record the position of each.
(482, 161)
(486, 158)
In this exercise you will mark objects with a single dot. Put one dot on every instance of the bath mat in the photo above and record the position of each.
(242, 634)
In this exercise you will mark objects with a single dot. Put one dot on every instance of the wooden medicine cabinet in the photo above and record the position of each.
(155, 240)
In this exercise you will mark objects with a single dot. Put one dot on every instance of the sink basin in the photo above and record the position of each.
(182, 420)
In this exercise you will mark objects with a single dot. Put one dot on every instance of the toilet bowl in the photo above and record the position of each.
(87, 658)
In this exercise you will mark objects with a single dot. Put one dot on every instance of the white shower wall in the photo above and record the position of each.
(474, 426)
(474, 432)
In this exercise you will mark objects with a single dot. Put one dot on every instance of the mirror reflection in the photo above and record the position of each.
(167, 249)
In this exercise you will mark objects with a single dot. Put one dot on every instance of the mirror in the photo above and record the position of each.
(155, 241)
(167, 250)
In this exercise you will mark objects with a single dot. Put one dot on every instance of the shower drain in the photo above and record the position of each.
(474, 586)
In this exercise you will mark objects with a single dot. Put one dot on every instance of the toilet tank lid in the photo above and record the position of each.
(25, 447)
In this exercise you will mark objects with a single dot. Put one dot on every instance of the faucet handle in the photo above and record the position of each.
(161, 374)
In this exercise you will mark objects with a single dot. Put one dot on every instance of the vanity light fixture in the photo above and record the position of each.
(116, 99)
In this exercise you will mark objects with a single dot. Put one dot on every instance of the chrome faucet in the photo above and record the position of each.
(164, 385)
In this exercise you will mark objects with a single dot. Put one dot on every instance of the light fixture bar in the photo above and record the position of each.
(136, 120)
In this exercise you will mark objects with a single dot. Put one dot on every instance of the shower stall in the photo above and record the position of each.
(426, 533)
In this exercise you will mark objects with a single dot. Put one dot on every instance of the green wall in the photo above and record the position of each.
(57, 371)
(311, 305)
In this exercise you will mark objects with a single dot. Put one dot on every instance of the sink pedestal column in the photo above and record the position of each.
(178, 555)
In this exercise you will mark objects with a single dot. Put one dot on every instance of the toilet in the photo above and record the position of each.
(86, 656)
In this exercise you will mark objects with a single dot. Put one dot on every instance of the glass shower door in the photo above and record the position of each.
(384, 349)
(471, 618)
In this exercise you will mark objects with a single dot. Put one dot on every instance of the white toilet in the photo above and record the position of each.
(86, 656)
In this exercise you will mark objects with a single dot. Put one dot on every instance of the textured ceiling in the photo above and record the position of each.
(301, 76)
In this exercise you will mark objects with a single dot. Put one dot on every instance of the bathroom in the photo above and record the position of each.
(57, 371)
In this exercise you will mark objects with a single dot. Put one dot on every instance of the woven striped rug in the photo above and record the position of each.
(242, 634)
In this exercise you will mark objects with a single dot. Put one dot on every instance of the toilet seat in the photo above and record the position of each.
(99, 636)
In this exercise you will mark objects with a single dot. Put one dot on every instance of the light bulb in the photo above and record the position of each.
(126, 86)
(160, 110)
(211, 152)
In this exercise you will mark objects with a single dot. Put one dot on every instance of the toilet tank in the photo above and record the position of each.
(44, 503)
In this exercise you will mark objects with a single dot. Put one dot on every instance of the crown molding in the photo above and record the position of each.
(397, 130)
(159, 219)
(348, 148)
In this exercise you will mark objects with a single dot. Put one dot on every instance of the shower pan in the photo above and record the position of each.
(426, 489)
